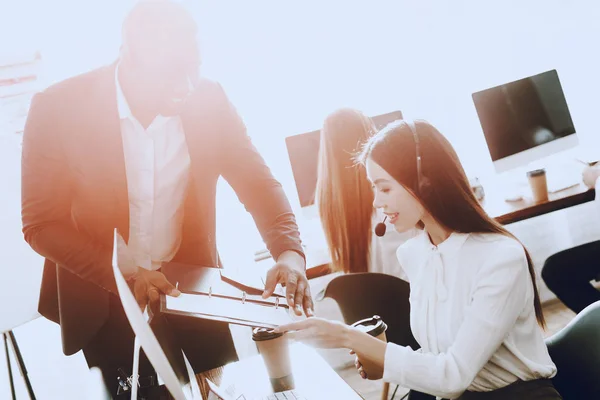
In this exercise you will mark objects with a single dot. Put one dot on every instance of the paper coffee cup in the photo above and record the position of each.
(375, 327)
(539, 186)
(274, 349)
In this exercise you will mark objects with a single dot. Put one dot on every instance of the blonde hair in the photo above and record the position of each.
(344, 195)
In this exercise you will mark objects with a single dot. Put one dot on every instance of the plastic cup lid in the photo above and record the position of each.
(374, 326)
(536, 172)
(260, 334)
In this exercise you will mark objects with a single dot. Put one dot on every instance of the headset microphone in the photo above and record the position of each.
(380, 228)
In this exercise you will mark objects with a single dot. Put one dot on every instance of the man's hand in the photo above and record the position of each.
(590, 176)
(147, 286)
(289, 271)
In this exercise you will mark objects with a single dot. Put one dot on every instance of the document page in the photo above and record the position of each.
(239, 313)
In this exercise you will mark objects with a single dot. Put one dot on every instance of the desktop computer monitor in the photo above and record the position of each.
(525, 120)
(303, 151)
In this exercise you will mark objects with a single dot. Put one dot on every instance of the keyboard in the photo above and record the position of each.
(231, 394)
(287, 395)
(561, 181)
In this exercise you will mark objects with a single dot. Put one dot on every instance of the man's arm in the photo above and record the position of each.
(255, 186)
(264, 198)
(46, 201)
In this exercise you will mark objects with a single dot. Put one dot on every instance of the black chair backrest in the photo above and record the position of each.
(576, 352)
(362, 295)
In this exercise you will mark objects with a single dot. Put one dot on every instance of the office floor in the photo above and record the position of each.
(55, 376)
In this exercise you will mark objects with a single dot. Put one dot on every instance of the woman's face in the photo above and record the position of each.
(401, 207)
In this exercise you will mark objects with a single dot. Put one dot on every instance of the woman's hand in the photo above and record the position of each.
(326, 334)
(319, 332)
(358, 365)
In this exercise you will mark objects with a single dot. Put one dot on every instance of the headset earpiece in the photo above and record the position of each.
(423, 183)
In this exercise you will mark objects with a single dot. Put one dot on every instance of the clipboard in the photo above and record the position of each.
(248, 282)
(198, 279)
(204, 294)
(226, 309)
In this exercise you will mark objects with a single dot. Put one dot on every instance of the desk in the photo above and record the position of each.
(313, 377)
(508, 212)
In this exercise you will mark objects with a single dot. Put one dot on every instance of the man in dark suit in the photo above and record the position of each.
(139, 146)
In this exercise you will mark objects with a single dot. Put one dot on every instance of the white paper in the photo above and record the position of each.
(143, 332)
(232, 309)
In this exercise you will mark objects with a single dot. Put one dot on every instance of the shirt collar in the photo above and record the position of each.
(452, 244)
(122, 106)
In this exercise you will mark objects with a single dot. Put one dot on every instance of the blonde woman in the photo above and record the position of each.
(345, 200)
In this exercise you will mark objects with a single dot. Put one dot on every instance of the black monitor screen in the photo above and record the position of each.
(523, 114)
(303, 150)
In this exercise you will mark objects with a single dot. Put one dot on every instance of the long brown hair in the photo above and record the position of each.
(344, 195)
(447, 194)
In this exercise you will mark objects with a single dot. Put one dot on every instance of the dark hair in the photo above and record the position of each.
(344, 195)
(446, 193)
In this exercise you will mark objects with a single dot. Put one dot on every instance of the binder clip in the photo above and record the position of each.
(210, 292)
(243, 297)
(276, 303)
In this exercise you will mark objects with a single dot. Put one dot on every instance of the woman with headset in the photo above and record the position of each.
(475, 308)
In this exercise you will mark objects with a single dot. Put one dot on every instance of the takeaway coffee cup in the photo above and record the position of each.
(274, 348)
(539, 186)
(375, 327)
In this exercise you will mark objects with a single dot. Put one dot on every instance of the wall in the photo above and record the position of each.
(425, 58)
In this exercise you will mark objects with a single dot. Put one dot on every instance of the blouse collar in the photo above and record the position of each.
(451, 245)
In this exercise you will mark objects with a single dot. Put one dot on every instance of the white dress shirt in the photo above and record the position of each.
(472, 313)
(157, 164)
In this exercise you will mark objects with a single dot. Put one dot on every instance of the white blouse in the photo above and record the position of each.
(472, 313)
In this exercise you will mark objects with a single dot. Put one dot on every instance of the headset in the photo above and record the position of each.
(423, 184)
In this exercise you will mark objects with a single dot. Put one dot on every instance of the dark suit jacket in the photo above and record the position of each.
(74, 192)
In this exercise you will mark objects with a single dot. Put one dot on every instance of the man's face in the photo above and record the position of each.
(168, 72)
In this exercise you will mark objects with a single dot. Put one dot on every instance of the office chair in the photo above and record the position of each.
(362, 295)
(576, 352)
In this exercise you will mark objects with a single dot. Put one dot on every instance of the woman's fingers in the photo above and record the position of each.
(360, 368)
(362, 372)
(357, 363)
